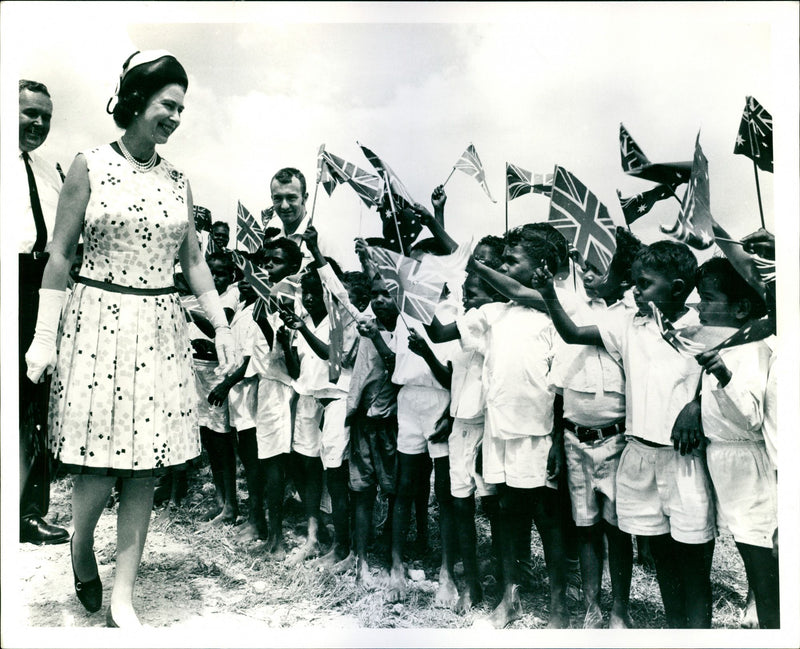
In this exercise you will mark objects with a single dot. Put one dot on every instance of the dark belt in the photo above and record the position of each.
(130, 290)
(647, 442)
(587, 435)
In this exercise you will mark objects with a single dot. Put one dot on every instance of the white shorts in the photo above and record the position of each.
(660, 491)
(520, 463)
(745, 491)
(592, 478)
(464, 443)
(319, 431)
(418, 409)
(243, 403)
(274, 418)
(213, 417)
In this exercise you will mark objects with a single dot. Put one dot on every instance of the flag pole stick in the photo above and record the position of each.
(738, 243)
(758, 192)
(393, 209)
(506, 212)
(313, 203)
(394, 301)
(452, 171)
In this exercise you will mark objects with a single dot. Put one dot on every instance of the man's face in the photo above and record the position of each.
(289, 202)
(35, 113)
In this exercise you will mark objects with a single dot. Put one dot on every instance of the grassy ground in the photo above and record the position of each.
(191, 570)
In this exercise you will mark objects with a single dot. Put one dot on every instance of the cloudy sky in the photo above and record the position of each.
(532, 84)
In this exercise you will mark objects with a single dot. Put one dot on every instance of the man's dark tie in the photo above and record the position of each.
(36, 206)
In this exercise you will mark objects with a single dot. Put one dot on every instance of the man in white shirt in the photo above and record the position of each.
(36, 189)
(289, 194)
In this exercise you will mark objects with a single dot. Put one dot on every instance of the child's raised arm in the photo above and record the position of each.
(436, 223)
(508, 286)
(567, 329)
(442, 333)
(296, 323)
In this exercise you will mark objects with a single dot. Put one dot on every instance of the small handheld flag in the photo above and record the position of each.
(754, 139)
(202, 218)
(678, 339)
(470, 164)
(399, 194)
(335, 170)
(639, 205)
(248, 231)
(635, 163)
(336, 340)
(520, 181)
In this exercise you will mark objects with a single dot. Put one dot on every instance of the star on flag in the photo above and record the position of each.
(754, 138)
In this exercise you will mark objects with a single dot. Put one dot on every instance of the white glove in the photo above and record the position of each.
(223, 338)
(41, 355)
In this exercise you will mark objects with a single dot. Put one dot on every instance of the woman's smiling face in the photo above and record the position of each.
(162, 115)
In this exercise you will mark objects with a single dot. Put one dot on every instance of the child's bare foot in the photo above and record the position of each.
(226, 517)
(276, 547)
(593, 618)
(327, 560)
(559, 618)
(397, 587)
(508, 610)
(364, 577)
(308, 550)
(344, 564)
(620, 620)
(469, 597)
(250, 531)
(750, 614)
(447, 593)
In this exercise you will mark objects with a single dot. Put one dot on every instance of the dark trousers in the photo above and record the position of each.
(34, 460)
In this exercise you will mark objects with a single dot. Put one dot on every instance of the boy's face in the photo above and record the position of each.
(275, 263)
(474, 294)
(715, 309)
(651, 286)
(383, 305)
(517, 265)
(221, 274)
(601, 285)
(220, 235)
(485, 254)
(246, 292)
(312, 298)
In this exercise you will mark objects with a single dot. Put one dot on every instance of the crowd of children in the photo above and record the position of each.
(549, 373)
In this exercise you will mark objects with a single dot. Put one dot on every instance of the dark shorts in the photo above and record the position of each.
(373, 453)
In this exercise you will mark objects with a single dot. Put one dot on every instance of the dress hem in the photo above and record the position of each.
(81, 469)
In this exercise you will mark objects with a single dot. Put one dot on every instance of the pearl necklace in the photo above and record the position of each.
(144, 167)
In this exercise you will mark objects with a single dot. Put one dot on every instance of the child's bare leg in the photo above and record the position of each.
(275, 478)
(446, 594)
(762, 574)
(620, 566)
(408, 474)
(750, 613)
(508, 528)
(696, 568)
(644, 557)
(222, 459)
(547, 516)
(590, 543)
(256, 526)
(571, 542)
(364, 504)
(491, 506)
(337, 480)
(666, 558)
(422, 496)
(472, 594)
(310, 470)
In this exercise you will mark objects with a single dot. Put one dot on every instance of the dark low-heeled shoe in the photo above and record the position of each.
(90, 593)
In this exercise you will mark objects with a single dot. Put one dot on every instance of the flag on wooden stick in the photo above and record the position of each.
(755, 135)
(520, 181)
(400, 195)
(583, 220)
(694, 224)
(336, 339)
(470, 164)
(248, 231)
(635, 163)
(639, 205)
(202, 218)
(335, 170)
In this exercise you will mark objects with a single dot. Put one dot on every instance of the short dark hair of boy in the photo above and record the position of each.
(535, 246)
(671, 259)
(496, 245)
(285, 175)
(223, 258)
(311, 283)
(627, 248)
(358, 282)
(554, 237)
(430, 246)
(221, 224)
(294, 256)
(490, 290)
(732, 285)
(33, 86)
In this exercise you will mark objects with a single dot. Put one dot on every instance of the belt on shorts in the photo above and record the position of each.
(647, 442)
(586, 435)
(130, 290)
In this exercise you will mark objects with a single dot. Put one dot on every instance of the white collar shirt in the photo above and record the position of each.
(48, 184)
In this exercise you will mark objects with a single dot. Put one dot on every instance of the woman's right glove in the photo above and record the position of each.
(41, 355)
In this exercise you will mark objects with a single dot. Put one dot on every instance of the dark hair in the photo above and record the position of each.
(33, 86)
(535, 246)
(221, 223)
(496, 245)
(487, 288)
(224, 258)
(430, 246)
(729, 282)
(671, 259)
(622, 261)
(358, 282)
(141, 82)
(286, 174)
(554, 237)
(294, 257)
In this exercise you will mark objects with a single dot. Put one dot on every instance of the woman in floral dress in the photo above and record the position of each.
(122, 396)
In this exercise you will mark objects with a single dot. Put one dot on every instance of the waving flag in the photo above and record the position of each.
(248, 231)
(751, 332)
(679, 339)
(470, 164)
(519, 182)
(335, 170)
(415, 289)
(336, 340)
(635, 163)
(641, 204)
(694, 224)
(582, 219)
(755, 135)
(400, 194)
(266, 215)
(283, 293)
(202, 218)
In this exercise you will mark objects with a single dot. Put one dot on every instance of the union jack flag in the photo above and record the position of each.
(641, 204)
(520, 181)
(211, 246)
(755, 135)
(400, 194)
(336, 340)
(694, 224)
(335, 170)
(202, 218)
(248, 231)
(415, 290)
(266, 215)
(679, 339)
(256, 277)
(470, 164)
(582, 219)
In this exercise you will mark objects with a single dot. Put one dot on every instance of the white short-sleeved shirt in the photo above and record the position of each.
(314, 371)
(770, 428)
(660, 381)
(410, 368)
(48, 185)
(735, 413)
(467, 400)
(519, 344)
(268, 361)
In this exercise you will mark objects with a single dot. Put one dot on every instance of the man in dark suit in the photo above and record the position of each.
(37, 186)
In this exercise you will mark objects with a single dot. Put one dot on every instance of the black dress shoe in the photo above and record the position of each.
(90, 593)
(39, 532)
